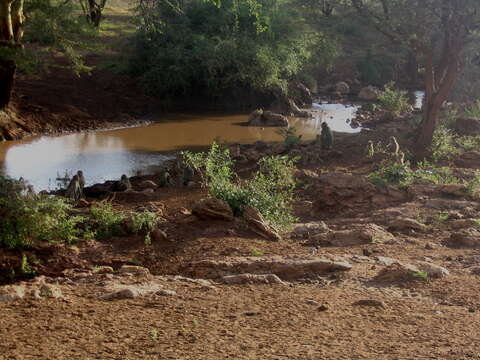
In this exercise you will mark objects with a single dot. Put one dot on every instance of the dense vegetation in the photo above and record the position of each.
(198, 48)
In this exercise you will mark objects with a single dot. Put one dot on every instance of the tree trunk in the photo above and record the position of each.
(7, 76)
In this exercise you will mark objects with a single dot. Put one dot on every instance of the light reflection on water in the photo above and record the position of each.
(105, 155)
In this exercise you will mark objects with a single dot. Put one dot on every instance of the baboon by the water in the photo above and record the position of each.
(74, 191)
(123, 184)
(81, 179)
(164, 178)
(326, 137)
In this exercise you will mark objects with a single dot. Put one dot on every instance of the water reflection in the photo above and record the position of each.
(104, 155)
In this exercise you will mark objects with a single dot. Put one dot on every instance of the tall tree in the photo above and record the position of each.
(11, 34)
(438, 31)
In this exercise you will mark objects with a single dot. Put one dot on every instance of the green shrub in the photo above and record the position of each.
(270, 189)
(394, 101)
(144, 221)
(473, 110)
(290, 136)
(106, 220)
(28, 218)
(393, 173)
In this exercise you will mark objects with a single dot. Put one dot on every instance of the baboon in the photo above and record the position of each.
(30, 192)
(74, 191)
(123, 184)
(164, 178)
(81, 179)
(326, 137)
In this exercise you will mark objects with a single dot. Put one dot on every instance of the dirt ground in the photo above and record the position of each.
(352, 315)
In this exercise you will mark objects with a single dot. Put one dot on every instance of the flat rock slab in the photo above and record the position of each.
(284, 268)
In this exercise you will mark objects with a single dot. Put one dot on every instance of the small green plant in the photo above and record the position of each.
(393, 173)
(442, 216)
(107, 221)
(290, 136)
(148, 240)
(135, 262)
(153, 334)
(257, 253)
(270, 190)
(25, 267)
(443, 144)
(144, 221)
(473, 110)
(394, 101)
(421, 275)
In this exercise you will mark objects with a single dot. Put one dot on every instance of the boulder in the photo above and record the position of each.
(359, 235)
(309, 229)
(267, 118)
(467, 238)
(11, 293)
(341, 191)
(273, 119)
(342, 88)
(469, 159)
(468, 126)
(147, 184)
(284, 268)
(213, 209)
(369, 93)
(404, 223)
(258, 224)
(252, 279)
(433, 270)
(132, 269)
(396, 272)
(158, 235)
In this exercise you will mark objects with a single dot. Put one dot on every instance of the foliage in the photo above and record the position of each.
(197, 48)
(27, 218)
(57, 24)
(270, 189)
(394, 101)
(394, 173)
(473, 110)
(422, 275)
(106, 220)
(290, 136)
(144, 221)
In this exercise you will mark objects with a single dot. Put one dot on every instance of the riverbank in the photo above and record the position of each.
(372, 271)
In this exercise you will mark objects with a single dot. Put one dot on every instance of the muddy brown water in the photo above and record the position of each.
(107, 154)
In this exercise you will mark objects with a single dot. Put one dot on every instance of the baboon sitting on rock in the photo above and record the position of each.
(123, 184)
(74, 190)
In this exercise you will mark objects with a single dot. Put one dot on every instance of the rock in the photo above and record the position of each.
(457, 224)
(342, 88)
(267, 118)
(468, 126)
(165, 292)
(82, 204)
(322, 308)
(475, 270)
(272, 119)
(158, 235)
(448, 204)
(11, 293)
(284, 268)
(359, 235)
(382, 260)
(370, 302)
(467, 238)
(148, 191)
(397, 272)
(341, 191)
(309, 229)
(369, 93)
(403, 223)
(252, 279)
(469, 159)
(50, 291)
(103, 270)
(147, 184)
(121, 294)
(132, 269)
(311, 302)
(258, 225)
(213, 209)
(433, 271)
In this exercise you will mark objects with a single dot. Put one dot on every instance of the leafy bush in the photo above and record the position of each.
(394, 101)
(106, 220)
(27, 218)
(473, 110)
(216, 50)
(144, 221)
(290, 136)
(393, 173)
(270, 190)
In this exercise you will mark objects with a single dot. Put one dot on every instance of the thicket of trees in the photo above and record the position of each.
(202, 49)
